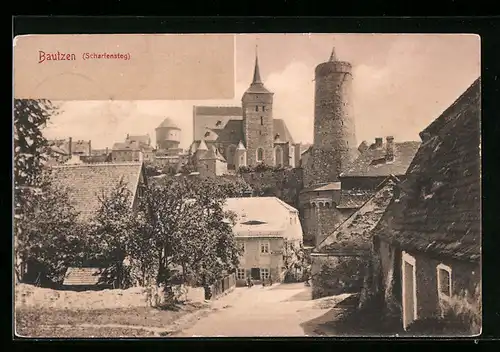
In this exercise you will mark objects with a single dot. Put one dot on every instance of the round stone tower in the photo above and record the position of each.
(334, 144)
(168, 135)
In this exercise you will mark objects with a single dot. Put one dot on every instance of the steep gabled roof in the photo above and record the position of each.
(440, 208)
(354, 234)
(367, 165)
(85, 182)
(279, 128)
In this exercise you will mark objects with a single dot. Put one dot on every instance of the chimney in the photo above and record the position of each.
(141, 157)
(70, 146)
(389, 151)
(378, 142)
(107, 151)
(90, 148)
(363, 147)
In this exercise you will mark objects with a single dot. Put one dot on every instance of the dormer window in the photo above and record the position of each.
(262, 121)
(207, 134)
(218, 123)
(256, 108)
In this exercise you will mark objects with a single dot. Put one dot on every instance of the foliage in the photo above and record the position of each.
(50, 236)
(466, 308)
(340, 275)
(150, 169)
(260, 168)
(297, 261)
(113, 229)
(188, 233)
(30, 149)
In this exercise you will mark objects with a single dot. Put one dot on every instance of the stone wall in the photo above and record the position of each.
(319, 220)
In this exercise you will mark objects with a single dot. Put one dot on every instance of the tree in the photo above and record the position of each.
(189, 231)
(114, 227)
(30, 116)
(50, 237)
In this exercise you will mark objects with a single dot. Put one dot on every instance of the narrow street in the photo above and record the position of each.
(259, 311)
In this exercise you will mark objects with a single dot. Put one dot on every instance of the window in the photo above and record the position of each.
(262, 121)
(260, 154)
(256, 108)
(263, 108)
(444, 281)
(264, 247)
(241, 274)
(264, 273)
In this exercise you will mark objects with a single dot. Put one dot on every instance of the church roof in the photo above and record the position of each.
(168, 123)
(257, 86)
(224, 124)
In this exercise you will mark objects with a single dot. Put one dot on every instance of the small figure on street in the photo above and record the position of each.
(270, 281)
(249, 282)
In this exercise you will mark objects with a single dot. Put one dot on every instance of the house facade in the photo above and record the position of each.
(268, 232)
(426, 249)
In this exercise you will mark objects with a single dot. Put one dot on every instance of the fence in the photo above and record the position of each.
(222, 286)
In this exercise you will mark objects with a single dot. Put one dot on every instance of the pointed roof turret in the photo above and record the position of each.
(202, 146)
(256, 70)
(241, 146)
(333, 56)
(257, 86)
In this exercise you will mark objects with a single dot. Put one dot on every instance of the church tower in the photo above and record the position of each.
(257, 104)
(334, 144)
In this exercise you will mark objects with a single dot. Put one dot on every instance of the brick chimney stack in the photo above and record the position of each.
(389, 154)
(90, 148)
(378, 142)
(70, 146)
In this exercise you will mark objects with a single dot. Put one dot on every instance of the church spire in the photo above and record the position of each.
(333, 57)
(256, 72)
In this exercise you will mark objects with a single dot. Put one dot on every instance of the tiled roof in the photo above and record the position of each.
(279, 128)
(126, 146)
(83, 276)
(218, 110)
(263, 217)
(440, 205)
(355, 232)
(85, 182)
(371, 163)
(77, 147)
(144, 139)
(352, 199)
(168, 123)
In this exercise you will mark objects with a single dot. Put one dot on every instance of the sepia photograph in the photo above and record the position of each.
(247, 185)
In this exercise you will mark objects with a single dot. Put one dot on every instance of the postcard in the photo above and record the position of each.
(247, 185)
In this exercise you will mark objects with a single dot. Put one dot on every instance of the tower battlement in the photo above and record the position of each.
(327, 68)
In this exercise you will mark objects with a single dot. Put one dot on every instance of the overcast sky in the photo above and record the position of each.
(401, 84)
